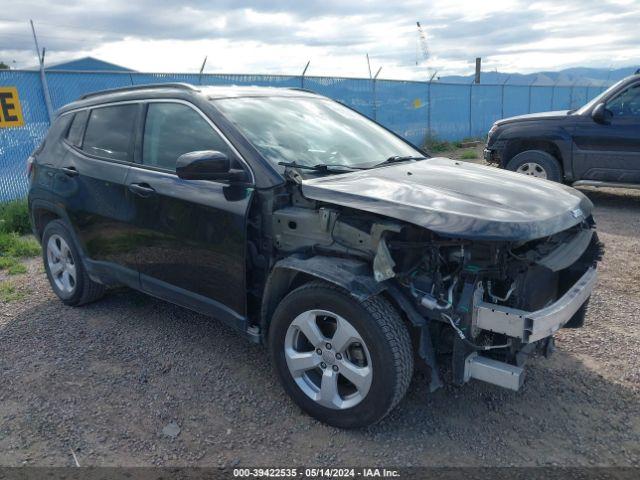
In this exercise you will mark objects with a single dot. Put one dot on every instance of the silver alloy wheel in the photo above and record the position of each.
(533, 169)
(334, 370)
(61, 264)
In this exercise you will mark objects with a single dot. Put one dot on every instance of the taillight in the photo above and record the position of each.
(30, 161)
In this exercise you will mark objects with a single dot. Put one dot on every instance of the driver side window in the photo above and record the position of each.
(627, 104)
(172, 129)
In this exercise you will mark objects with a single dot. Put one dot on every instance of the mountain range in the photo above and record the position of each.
(569, 76)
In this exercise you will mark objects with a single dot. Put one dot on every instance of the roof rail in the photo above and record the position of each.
(144, 86)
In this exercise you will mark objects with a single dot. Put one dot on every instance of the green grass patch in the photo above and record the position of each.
(433, 145)
(469, 155)
(9, 292)
(13, 245)
(14, 217)
(12, 265)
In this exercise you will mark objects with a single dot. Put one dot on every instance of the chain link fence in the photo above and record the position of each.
(414, 110)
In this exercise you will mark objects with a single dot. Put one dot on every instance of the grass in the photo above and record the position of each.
(15, 243)
(433, 145)
(14, 217)
(9, 292)
(468, 155)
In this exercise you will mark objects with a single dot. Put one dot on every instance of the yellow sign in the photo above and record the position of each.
(10, 110)
(417, 103)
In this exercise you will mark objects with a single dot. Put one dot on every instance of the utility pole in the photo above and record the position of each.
(369, 65)
(478, 69)
(43, 78)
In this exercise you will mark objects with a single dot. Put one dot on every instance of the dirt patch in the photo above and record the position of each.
(131, 380)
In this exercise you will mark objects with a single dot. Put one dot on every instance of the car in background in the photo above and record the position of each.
(597, 144)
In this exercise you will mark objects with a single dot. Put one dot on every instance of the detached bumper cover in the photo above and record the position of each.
(533, 326)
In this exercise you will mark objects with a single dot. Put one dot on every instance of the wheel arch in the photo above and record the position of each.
(291, 272)
(516, 146)
(43, 212)
(354, 276)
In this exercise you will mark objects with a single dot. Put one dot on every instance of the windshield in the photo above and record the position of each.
(312, 131)
(598, 99)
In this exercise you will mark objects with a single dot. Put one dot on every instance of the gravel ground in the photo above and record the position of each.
(131, 380)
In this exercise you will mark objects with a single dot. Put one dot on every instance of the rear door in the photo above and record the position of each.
(91, 182)
(611, 153)
(190, 234)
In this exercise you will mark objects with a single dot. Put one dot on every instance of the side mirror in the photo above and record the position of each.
(206, 165)
(601, 114)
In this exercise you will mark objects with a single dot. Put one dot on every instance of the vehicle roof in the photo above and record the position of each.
(181, 90)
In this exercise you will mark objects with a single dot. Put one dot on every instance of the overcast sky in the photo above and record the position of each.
(279, 36)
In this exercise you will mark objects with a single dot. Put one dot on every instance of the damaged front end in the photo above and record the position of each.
(484, 305)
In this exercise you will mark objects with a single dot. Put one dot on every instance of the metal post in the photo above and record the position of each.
(375, 101)
(502, 97)
(303, 74)
(429, 109)
(429, 104)
(470, 107)
(202, 70)
(43, 78)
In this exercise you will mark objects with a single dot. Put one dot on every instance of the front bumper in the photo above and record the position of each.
(533, 326)
(528, 327)
(487, 155)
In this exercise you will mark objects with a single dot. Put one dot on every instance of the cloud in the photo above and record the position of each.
(278, 36)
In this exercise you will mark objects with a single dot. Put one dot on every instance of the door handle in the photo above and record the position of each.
(70, 171)
(141, 189)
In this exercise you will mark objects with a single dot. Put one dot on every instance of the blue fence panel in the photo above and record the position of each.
(356, 93)
(449, 112)
(516, 100)
(17, 143)
(578, 97)
(402, 107)
(414, 110)
(282, 81)
(66, 87)
(144, 78)
(486, 103)
(561, 98)
(540, 99)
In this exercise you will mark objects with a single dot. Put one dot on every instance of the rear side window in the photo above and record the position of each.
(110, 132)
(74, 135)
(172, 129)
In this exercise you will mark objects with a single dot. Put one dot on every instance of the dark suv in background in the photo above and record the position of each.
(597, 144)
(306, 226)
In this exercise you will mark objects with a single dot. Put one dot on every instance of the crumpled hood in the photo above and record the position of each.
(534, 116)
(457, 199)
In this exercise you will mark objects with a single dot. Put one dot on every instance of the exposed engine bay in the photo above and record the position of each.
(470, 300)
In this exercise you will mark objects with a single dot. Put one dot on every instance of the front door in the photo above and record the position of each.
(190, 234)
(611, 152)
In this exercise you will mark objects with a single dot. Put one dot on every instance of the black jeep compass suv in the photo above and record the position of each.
(306, 226)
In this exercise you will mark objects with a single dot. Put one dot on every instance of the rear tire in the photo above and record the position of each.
(536, 163)
(65, 270)
(371, 346)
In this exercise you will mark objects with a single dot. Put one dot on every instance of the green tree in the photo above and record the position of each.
(3, 66)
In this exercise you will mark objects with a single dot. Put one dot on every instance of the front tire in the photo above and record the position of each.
(536, 163)
(346, 362)
(65, 270)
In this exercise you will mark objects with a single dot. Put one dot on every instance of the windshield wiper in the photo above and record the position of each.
(397, 159)
(321, 167)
